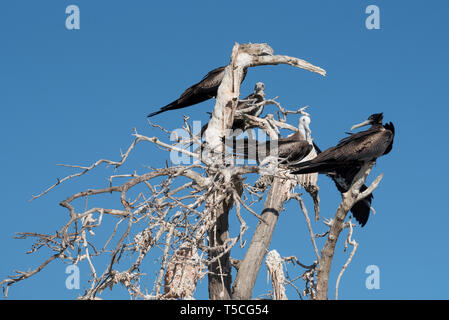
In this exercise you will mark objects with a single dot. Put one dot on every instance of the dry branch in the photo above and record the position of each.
(354, 244)
(336, 226)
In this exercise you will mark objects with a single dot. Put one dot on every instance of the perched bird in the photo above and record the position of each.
(204, 90)
(291, 149)
(251, 105)
(343, 178)
(343, 161)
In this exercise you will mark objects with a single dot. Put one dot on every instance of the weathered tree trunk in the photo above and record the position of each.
(250, 265)
(327, 254)
(243, 56)
(220, 279)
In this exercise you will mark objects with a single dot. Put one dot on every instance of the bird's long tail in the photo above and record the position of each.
(361, 209)
(155, 113)
(171, 106)
(312, 167)
(317, 149)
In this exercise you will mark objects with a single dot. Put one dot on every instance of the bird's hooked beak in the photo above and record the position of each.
(364, 123)
(308, 132)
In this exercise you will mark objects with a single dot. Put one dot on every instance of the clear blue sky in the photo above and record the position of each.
(75, 96)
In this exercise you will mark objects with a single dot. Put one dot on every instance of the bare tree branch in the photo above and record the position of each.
(353, 243)
(348, 199)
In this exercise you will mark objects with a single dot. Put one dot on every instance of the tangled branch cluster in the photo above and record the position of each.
(166, 209)
(174, 215)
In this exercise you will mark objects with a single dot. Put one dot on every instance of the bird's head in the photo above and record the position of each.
(259, 88)
(375, 118)
(304, 127)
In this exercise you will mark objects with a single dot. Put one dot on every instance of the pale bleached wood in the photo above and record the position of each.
(349, 198)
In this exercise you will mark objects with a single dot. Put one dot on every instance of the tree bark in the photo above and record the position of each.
(327, 254)
(250, 265)
(220, 279)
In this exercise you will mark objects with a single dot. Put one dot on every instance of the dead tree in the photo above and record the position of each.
(181, 212)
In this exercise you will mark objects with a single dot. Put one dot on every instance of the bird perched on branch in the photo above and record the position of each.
(343, 161)
(251, 105)
(343, 178)
(290, 149)
(204, 90)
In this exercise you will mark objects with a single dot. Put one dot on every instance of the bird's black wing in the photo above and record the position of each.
(327, 161)
(250, 148)
(254, 149)
(199, 92)
(317, 149)
(389, 126)
(361, 209)
(296, 151)
(355, 136)
(343, 178)
(350, 151)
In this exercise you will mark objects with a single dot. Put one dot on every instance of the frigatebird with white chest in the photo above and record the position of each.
(289, 149)
(343, 161)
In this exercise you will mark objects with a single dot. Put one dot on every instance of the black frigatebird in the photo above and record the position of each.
(204, 90)
(343, 161)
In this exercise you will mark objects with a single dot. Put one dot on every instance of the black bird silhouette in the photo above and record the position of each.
(343, 178)
(204, 90)
(343, 161)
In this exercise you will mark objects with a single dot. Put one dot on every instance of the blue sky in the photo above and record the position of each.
(75, 96)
